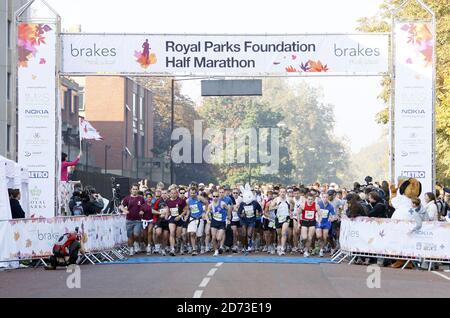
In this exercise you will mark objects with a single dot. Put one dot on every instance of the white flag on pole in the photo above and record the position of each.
(87, 131)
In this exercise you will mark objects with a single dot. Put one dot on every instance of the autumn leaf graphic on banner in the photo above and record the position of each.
(316, 66)
(30, 36)
(16, 236)
(420, 36)
(28, 243)
(145, 58)
(291, 69)
(309, 66)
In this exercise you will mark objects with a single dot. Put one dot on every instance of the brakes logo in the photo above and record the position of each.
(38, 174)
(413, 174)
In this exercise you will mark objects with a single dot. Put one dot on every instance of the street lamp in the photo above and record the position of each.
(107, 147)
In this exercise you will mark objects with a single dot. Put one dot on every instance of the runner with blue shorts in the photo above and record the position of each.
(327, 213)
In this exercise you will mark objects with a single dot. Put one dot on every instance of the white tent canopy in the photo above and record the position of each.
(5, 209)
(12, 176)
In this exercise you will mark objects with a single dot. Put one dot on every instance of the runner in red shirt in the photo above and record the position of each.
(177, 209)
(132, 207)
(309, 212)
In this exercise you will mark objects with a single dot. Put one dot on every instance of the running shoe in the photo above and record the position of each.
(194, 253)
(148, 250)
(221, 250)
(131, 251)
(172, 252)
(306, 254)
(216, 253)
(321, 253)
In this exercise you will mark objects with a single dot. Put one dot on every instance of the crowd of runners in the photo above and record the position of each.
(199, 219)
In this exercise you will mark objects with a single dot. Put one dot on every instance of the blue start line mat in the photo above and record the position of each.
(223, 259)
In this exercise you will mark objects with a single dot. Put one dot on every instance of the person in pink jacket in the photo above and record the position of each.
(65, 164)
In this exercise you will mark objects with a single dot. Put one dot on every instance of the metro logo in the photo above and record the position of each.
(413, 174)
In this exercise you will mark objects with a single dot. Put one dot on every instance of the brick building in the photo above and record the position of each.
(122, 111)
(71, 94)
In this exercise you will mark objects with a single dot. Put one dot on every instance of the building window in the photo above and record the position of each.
(8, 87)
(141, 108)
(135, 144)
(76, 101)
(68, 99)
(134, 105)
(63, 99)
(81, 101)
(8, 136)
(9, 34)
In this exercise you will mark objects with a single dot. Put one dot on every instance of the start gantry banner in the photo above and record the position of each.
(230, 55)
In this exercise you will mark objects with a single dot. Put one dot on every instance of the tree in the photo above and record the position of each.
(243, 113)
(308, 149)
(381, 23)
(313, 149)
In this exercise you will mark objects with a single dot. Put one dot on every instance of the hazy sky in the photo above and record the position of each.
(355, 99)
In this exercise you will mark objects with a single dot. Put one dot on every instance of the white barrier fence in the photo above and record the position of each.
(391, 239)
(34, 238)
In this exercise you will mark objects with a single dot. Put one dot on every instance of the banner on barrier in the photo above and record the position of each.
(34, 238)
(230, 55)
(414, 45)
(36, 84)
(390, 237)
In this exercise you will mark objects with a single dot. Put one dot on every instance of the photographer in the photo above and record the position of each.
(75, 203)
(378, 208)
(92, 202)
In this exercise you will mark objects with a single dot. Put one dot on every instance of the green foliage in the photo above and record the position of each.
(308, 150)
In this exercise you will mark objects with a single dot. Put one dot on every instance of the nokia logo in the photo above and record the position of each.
(413, 111)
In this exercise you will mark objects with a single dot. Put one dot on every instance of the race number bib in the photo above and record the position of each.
(174, 212)
(309, 215)
(194, 209)
(324, 213)
(217, 216)
(282, 218)
(249, 212)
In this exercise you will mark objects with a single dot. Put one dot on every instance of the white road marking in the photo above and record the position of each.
(204, 282)
(212, 272)
(442, 275)
(198, 294)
